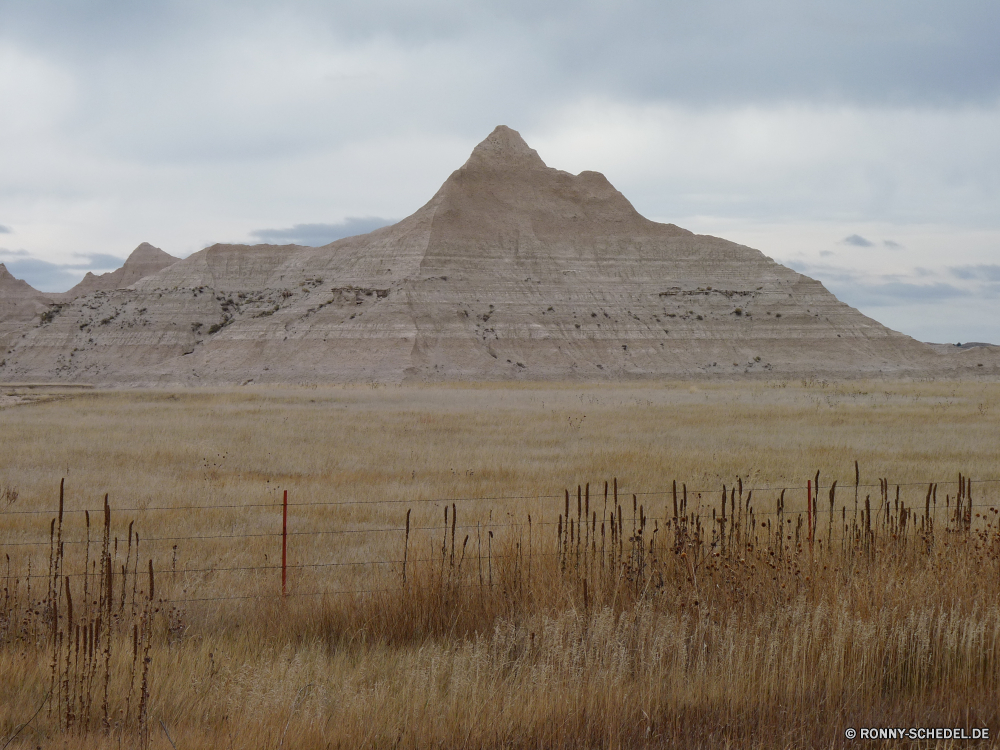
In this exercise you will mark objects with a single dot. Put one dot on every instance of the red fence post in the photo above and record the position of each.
(284, 543)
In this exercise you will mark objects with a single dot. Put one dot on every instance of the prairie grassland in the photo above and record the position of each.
(655, 629)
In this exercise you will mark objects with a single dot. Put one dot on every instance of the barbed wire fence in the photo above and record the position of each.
(555, 508)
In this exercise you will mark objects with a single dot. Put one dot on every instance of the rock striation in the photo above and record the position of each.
(511, 271)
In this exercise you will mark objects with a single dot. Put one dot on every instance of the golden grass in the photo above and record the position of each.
(748, 642)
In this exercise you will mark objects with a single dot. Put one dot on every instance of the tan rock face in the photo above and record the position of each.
(511, 271)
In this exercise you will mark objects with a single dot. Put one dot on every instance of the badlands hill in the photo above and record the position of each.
(21, 308)
(512, 270)
(19, 302)
(144, 261)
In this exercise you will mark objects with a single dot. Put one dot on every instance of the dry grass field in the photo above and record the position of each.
(524, 615)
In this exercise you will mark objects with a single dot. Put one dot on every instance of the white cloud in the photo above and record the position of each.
(37, 96)
(817, 161)
(317, 235)
(983, 271)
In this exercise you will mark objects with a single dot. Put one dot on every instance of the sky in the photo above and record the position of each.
(853, 141)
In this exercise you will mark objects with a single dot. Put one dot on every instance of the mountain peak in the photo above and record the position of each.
(13, 285)
(146, 253)
(504, 148)
(144, 261)
(19, 301)
(512, 271)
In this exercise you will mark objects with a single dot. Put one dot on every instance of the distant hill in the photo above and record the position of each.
(144, 261)
(968, 350)
(512, 271)
(19, 301)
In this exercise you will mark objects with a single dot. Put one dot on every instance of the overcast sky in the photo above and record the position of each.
(854, 141)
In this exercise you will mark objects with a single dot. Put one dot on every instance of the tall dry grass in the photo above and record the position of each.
(699, 627)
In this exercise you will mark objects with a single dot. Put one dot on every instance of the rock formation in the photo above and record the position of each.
(19, 301)
(21, 306)
(144, 261)
(512, 270)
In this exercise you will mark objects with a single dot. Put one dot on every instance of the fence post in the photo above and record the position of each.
(284, 543)
(809, 510)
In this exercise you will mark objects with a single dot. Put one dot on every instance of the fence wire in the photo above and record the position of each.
(703, 505)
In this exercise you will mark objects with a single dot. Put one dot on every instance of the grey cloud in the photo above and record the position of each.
(57, 277)
(892, 244)
(193, 86)
(812, 50)
(12, 253)
(98, 261)
(95, 261)
(316, 235)
(977, 272)
(894, 292)
(716, 50)
(5, 230)
(863, 291)
(826, 253)
(42, 275)
(857, 240)
(825, 273)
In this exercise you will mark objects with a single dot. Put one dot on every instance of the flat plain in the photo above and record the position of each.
(595, 623)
